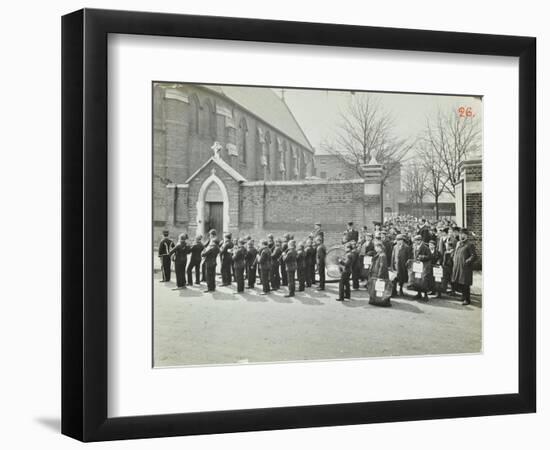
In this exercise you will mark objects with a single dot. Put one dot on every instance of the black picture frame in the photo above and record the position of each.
(84, 224)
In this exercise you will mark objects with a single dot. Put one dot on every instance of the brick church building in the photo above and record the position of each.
(255, 136)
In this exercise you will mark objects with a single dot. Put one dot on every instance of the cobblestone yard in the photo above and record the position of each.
(192, 327)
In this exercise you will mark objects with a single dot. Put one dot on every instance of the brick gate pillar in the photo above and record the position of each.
(372, 174)
(471, 175)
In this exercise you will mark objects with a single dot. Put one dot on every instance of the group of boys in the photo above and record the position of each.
(275, 263)
(387, 250)
(283, 261)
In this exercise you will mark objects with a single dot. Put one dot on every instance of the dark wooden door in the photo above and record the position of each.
(215, 219)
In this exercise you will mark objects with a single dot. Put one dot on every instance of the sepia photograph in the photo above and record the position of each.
(300, 224)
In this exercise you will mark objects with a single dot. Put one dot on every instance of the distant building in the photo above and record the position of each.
(331, 166)
(391, 193)
(427, 209)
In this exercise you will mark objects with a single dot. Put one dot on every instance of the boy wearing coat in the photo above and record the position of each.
(400, 255)
(289, 258)
(464, 257)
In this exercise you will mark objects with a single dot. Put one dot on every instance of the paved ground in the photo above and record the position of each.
(192, 327)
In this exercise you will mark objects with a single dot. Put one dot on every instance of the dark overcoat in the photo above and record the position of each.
(398, 262)
(239, 257)
(264, 259)
(379, 267)
(210, 254)
(465, 255)
(289, 257)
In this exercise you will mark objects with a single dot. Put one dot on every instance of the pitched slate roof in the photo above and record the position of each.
(223, 165)
(264, 103)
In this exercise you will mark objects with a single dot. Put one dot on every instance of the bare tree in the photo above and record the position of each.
(452, 137)
(366, 130)
(415, 183)
(434, 169)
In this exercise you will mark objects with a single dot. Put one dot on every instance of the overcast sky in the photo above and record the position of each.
(317, 111)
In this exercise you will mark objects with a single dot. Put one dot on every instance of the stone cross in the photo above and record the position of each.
(216, 148)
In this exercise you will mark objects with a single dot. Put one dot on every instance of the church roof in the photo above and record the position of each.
(223, 165)
(264, 103)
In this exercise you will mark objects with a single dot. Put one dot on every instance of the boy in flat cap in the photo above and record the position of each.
(421, 252)
(344, 263)
(400, 256)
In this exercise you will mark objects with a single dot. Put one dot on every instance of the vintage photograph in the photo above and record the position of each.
(314, 224)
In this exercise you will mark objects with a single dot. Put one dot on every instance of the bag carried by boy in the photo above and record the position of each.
(379, 291)
(420, 275)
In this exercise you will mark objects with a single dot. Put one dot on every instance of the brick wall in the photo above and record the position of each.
(258, 208)
(474, 223)
(472, 173)
(294, 207)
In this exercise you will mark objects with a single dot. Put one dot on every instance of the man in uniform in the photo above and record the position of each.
(251, 255)
(317, 232)
(195, 262)
(180, 251)
(210, 255)
(226, 259)
(344, 292)
(264, 264)
(421, 252)
(289, 258)
(351, 234)
(310, 262)
(301, 267)
(239, 262)
(355, 265)
(165, 246)
(464, 257)
(321, 255)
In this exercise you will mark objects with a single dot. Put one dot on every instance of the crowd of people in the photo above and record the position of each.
(429, 258)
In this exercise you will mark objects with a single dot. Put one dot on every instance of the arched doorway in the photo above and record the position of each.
(213, 206)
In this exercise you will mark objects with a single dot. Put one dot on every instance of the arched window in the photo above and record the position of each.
(194, 107)
(210, 119)
(268, 152)
(243, 132)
